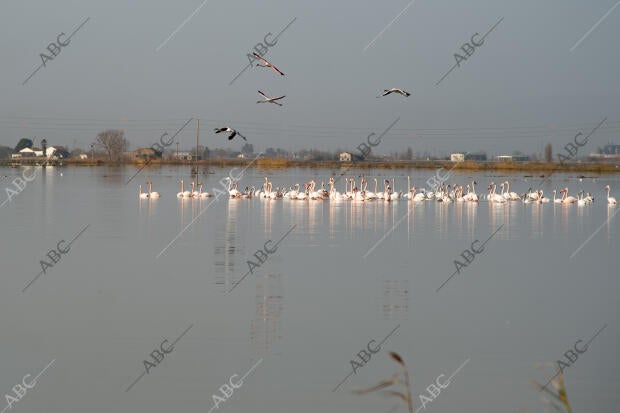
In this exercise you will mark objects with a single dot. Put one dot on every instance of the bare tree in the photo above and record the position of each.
(247, 149)
(548, 153)
(113, 142)
(409, 154)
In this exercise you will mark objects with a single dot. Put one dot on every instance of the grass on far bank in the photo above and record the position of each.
(278, 163)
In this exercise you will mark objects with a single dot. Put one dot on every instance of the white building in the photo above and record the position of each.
(183, 156)
(345, 157)
(31, 152)
(457, 157)
(83, 156)
(504, 158)
(49, 152)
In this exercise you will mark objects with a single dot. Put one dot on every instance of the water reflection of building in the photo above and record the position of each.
(265, 328)
(395, 299)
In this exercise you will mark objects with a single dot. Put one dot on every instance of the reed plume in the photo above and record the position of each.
(400, 377)
(558, 394)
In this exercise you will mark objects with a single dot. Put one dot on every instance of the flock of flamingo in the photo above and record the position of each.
(439, 192)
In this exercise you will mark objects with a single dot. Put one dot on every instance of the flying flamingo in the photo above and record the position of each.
(232, 132)
(395, 90)
(270, 100)
(267, 64)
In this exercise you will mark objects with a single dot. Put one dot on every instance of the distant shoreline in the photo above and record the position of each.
(277, 163)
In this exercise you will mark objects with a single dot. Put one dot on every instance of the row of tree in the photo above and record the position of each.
(113, 144)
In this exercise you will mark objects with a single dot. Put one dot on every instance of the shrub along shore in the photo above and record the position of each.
(277, 163)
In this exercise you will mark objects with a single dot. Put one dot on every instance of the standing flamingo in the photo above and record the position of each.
(183, 193)
(151, 193)
(204, 194)
(511, 196)
(142, 195)
(567, 199)
(610, 199)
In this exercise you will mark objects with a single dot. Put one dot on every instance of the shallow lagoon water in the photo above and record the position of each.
(145, 271)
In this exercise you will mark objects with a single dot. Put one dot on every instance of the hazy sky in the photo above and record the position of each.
(522, 88)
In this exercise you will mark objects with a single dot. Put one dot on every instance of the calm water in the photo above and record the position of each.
(146, 271)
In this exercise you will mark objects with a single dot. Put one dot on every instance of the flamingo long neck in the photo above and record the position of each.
(182, 186)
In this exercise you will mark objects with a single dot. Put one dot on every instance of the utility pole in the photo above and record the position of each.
(44, 149)
(177, 151)
(197, 134)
